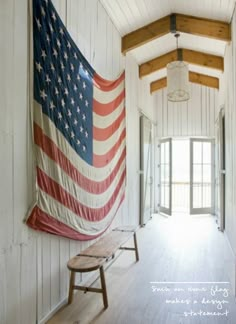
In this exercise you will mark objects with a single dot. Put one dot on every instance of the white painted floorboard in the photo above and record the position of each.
(176, 249)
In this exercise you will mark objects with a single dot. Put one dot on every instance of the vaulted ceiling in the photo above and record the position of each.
(145, 29)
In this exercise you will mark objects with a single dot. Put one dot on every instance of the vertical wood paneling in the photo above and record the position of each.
(132, 124)
(6, 127)
(73, 22)
(55, 270)
(13, 294)
(193, 118)
(100, 64)
(46, 274)
(20, 121)
(158, 112)
(3, 289)
(165, 113)
(92, 11)
(28, 282)
(64, 273)
(116, 57)
(39, 278)
(6, 193)
(109, 37)
(184, 124)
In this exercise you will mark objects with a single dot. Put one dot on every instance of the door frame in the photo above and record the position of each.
(143, 186)
(221, 167)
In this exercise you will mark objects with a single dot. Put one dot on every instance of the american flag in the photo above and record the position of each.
(79, 135)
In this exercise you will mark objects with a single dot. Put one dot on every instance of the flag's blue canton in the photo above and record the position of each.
(63, 80)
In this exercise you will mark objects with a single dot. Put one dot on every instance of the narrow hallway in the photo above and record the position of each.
(184, 271)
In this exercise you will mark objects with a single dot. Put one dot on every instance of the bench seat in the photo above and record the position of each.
(94, 257)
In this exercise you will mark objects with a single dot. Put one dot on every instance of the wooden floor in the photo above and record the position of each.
(181, 259)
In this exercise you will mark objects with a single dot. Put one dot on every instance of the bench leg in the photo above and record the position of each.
(72, 282)
(136, 247)
(104, 289)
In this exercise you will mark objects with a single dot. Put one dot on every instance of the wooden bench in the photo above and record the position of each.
(94, 257)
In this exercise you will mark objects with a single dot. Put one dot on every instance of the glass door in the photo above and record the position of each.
(165, 176)
(146, 178)
(201, 176)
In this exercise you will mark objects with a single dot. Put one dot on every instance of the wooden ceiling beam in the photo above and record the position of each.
(157, 63)
(145, 34)
(194, 77)
(186, 24)
(206, 80)
(203, 27)
(189, 56)
(158, 85)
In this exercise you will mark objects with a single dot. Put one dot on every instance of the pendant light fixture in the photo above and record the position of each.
(177, 77)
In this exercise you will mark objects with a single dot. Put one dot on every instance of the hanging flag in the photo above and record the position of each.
(79, 135)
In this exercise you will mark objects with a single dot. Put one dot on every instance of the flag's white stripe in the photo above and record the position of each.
(95, 174)
(90, 200)
(102, 147)
(105, 97)
(105, 121)
(58, 211)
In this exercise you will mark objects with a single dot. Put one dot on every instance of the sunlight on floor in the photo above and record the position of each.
(186, 231)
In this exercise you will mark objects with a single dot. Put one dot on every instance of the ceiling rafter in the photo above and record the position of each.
(183, 23)
(190, 56)
(194, 77)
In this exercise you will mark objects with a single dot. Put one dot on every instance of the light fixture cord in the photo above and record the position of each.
(179, 53)
(177, 36)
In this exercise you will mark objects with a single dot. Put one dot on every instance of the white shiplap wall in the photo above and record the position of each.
(195, 117)
(228, 100)
(33, 273)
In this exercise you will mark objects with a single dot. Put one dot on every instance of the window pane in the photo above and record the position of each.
(167, 173)
(162, 153)
(207, 174)
(206, 153)
(167, 152)
(197, 174)
(206, 197)
(167, 192)
(162, 195)
(197, 152)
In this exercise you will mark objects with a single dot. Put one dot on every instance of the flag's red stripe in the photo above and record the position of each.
(39, 220)
(99, 161)
(106, 109)
(107, 85)
(53, 189)
(49, 148)
(102, 134)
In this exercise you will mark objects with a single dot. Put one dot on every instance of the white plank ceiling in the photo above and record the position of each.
(129, 15)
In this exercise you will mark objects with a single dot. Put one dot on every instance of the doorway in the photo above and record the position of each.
(186, 176)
